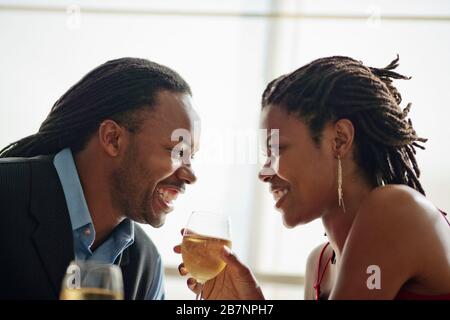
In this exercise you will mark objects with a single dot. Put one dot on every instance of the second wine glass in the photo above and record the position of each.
(86, 280)
(203, 239)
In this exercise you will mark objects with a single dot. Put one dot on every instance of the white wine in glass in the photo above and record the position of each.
(90, 294)
(92, 281)
(201, 256)
(203, 239)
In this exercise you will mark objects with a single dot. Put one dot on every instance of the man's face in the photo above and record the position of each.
(155, 167)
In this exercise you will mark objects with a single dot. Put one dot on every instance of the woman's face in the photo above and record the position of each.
(303, 175)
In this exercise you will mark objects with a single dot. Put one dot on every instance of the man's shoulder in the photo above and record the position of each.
(17, 176)
(24, 160)
(13, 171)
(15, 165)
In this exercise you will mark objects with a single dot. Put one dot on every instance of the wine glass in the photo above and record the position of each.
(204, 236)
(87, 280)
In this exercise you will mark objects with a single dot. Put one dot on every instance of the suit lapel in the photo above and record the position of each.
(53, 236)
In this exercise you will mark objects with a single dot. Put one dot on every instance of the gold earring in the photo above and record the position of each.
(340, 192)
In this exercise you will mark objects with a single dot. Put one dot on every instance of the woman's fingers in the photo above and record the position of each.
(194, 286)
(182, 269)
(233, 262)
(229, 257)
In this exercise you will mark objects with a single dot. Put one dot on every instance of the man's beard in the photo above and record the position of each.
(134, 201)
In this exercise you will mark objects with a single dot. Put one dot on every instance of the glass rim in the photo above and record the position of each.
(93, 263)
(220, 215)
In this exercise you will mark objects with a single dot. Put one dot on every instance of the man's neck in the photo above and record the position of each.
(105, 217)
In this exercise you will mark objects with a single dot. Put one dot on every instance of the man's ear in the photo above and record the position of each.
(111, 137)
(344, 134)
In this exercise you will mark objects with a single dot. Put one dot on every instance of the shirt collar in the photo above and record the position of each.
(73, 192)
(124, 234)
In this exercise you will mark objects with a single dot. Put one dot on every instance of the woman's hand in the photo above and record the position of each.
(235, 282)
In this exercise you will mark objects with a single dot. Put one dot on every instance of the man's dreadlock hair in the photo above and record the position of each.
(116, 90)
(337, 87)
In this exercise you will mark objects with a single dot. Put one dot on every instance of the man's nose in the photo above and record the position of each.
(186, 174)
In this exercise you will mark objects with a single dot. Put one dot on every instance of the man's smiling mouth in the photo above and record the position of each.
(168, 194)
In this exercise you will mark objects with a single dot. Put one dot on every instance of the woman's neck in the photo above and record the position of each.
(338, 223)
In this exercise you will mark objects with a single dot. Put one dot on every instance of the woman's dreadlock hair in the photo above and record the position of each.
(114, 90)
(333, 88)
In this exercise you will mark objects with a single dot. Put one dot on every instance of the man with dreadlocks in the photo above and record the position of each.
(345, 154)
(104, 158)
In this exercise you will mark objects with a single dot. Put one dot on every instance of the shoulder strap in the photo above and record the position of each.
(319, 275)
(445, 216)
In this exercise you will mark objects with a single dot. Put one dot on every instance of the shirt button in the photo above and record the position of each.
(87, 231)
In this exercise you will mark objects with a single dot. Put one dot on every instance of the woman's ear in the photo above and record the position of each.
(344, 134)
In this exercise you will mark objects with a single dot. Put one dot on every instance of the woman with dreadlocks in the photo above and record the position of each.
(345, 153)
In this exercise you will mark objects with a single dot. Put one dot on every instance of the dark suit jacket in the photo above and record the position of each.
(36, 243)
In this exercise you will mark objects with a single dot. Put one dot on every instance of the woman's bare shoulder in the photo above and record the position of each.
(401, 233)
(396, 203)
(395, 221)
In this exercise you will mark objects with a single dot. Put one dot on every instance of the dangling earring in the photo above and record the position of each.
(340, 192)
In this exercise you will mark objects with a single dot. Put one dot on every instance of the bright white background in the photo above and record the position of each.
(228, 51)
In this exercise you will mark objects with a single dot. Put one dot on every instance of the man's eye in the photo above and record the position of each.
(175, 152)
